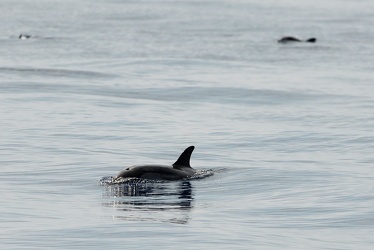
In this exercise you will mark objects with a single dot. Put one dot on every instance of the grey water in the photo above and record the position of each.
(287, 129)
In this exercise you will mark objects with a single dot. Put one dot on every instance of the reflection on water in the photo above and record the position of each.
(155, 201)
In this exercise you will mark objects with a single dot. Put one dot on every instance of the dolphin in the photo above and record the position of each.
(181, 169)
(25, 36)
(288, 39)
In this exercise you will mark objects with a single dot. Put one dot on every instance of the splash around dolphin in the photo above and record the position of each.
(181, 169)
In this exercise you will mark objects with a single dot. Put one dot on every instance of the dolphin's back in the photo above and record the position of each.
(154, 172)
(179, 170)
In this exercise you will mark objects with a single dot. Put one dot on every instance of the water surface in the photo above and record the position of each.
(286, 129)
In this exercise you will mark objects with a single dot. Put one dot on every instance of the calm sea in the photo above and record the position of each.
(287, 129)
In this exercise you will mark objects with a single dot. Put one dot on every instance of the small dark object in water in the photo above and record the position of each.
(288, 39)
(311, 40)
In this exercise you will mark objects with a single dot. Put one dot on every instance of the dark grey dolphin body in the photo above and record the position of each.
(181, 169)
(288, 39)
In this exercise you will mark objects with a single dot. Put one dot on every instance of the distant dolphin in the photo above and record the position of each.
(25, 36)
(288, 39)
(181, 169)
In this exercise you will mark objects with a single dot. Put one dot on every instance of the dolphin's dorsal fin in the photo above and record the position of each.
(184, 158)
